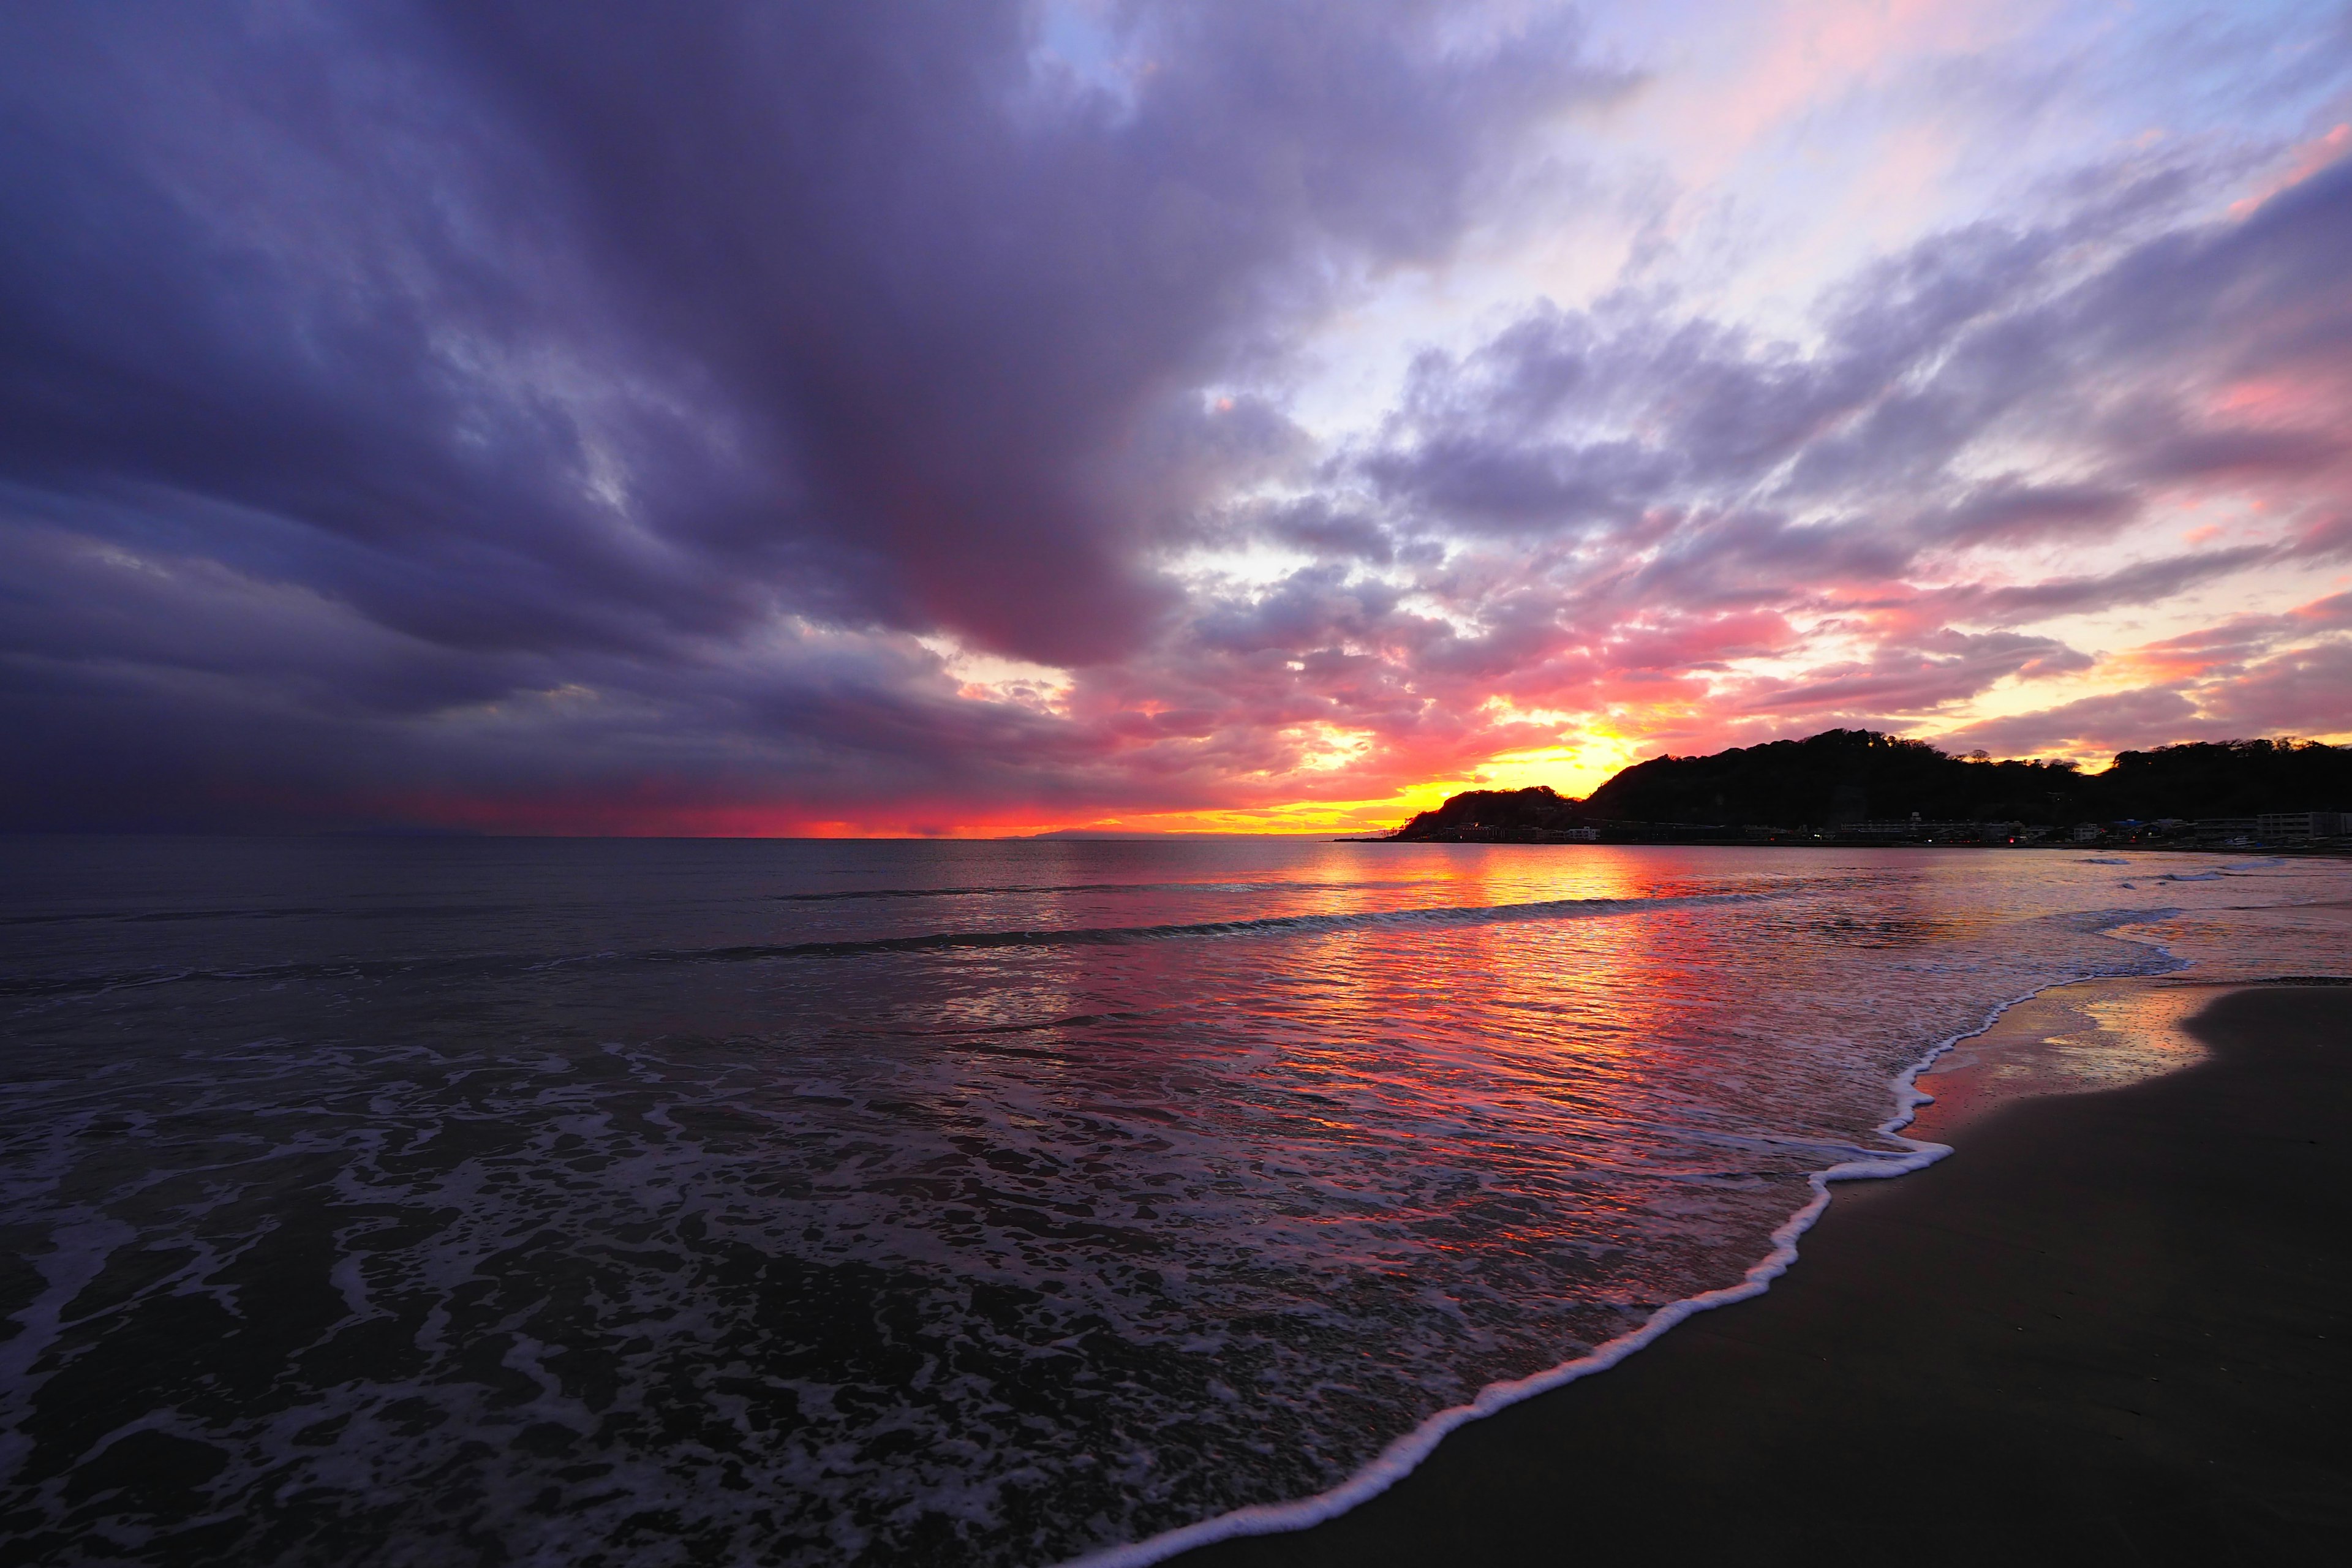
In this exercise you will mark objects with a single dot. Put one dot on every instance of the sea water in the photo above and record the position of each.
(443, 1202)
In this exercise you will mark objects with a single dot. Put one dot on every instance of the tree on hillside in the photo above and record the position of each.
(1836, 777)
(1539, 806)
(1843, 776)
(2228, 778)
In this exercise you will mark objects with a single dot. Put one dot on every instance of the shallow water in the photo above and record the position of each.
(576, 1202)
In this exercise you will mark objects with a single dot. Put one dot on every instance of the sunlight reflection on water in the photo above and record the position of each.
(782, 1203)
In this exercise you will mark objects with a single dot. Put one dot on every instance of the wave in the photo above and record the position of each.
(168, 917)
(1267, 925)
(1271, 887)
(157, 917)
(69, 985)
(1404, 1455)
(1068, 936)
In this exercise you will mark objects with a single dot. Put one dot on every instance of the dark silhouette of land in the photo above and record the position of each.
(2111, 1328)
(1844, 782)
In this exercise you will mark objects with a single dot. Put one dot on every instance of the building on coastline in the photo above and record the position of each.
(1938, 832)
(2288, 826)
(2270, 827)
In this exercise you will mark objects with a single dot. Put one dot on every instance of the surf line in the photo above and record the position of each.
(1400, 1457)
(1268, 925)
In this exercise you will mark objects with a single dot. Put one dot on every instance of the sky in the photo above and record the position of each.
(971, 418)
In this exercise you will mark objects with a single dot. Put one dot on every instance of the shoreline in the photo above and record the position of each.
(2050, 1321)
(1507, 1476)
(1403, 1456)
(2337, 851)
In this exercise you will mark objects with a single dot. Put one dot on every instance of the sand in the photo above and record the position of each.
(2112, 1328)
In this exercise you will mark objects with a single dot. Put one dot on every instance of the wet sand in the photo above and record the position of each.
(2114, 1327)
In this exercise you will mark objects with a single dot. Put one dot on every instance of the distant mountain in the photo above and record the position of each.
(1137, 834)
(1837, 777)
(1540, 807)
(1843, 776)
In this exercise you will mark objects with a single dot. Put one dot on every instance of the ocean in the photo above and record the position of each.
(573, 1202)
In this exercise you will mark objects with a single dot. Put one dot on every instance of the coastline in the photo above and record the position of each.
(2120, 1324)
(2336, 850)
(2011, 1030)
(1711, 1023)
(1406, 1454)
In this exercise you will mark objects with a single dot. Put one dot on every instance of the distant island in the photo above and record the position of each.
(1862, 786)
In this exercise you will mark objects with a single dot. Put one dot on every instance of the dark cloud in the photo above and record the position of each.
(2302, 691)
(2122, 721)
(415, 357)
(1687, 467)
(2138, 583)
(1916, 678)
(2012, 509)
(967, 309)
(517, 414)
(1967, 342)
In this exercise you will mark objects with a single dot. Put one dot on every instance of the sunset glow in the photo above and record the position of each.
(1080, 414)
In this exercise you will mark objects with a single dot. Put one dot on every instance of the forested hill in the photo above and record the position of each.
(1843, 776)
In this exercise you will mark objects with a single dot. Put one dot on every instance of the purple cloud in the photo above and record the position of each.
(756, 417)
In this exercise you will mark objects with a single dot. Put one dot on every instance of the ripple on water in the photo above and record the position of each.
(972, 1251)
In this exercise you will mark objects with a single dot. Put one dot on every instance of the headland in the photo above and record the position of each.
(1859, 787)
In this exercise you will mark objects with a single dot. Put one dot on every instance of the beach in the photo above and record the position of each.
(2111, 1328)
(995, 1205)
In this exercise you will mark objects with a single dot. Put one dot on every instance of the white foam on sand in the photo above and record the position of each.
(1400, 1457)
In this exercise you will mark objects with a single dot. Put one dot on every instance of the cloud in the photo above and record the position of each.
(1682, 467)
(2301, 689)
(521, 416)
(2114, 722)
